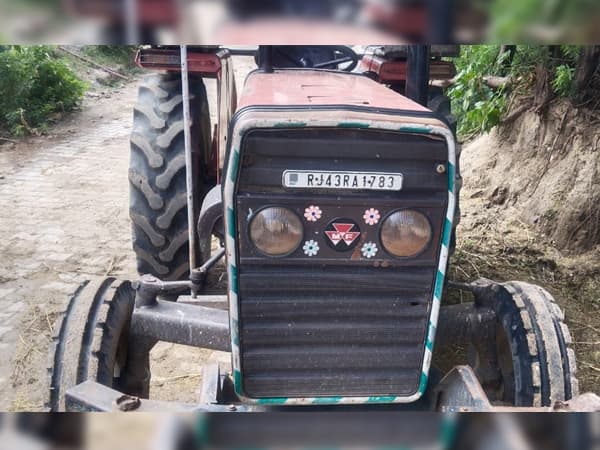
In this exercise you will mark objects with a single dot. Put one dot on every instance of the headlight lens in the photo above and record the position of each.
(406, 233)
(276, 231)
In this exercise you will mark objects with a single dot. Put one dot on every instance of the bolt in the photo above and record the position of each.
(232, 408)
(440, 168)
(127, 403)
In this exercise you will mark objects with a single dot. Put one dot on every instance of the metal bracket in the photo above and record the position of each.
(197, 326)
(91, 396)
(460, 391)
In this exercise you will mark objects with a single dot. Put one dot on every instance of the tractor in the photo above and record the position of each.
(328, 194)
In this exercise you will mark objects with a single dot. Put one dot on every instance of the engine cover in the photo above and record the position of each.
(339, 319)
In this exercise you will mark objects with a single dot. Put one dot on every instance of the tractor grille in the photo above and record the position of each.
(333, 325)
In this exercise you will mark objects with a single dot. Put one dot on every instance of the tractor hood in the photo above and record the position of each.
(304, 87)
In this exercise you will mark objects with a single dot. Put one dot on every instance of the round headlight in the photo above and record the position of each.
(405, 233)
(276, 231)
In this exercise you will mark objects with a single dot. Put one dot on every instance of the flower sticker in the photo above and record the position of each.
(369, 249)
(311, 248)
(312, 213)
(371, 216)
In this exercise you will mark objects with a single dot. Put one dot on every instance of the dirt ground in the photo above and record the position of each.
(65, 220)
(64, 199)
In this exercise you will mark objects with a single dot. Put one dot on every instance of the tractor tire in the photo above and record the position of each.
(158, 192)
(533, 347)
(91, 338)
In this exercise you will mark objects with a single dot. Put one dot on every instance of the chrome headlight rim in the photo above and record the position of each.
(253, 244)
(425, 246)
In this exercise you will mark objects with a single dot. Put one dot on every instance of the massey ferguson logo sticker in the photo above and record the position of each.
(342, 234)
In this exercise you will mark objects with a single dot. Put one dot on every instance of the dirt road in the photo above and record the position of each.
(64, 203)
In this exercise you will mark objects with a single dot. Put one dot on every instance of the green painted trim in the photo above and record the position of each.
(439, 285)
(290, 125)
(235, 162)
(451, 176)
(447, 234)
(326, 400)
(237, 381)
(430, 332)
(234, 279)
(381, 399)
(423, 383)
(272, 401)
(353, 125)
(414, 129)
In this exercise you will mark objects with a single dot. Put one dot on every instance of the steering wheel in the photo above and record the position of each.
(314, 56)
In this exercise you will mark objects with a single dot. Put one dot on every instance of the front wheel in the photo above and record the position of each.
(533, 346)
(91, 340)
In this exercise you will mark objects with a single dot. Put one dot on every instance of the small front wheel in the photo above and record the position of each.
(91, 339)
(533, 347)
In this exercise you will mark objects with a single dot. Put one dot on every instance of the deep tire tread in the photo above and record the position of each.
(84, 344)
(545, 358)
(158, 197)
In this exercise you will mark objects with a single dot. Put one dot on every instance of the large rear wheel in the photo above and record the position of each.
(158, 193)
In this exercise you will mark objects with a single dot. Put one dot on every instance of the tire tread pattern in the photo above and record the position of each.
(544, 361)
(86, 336)
(158, 196)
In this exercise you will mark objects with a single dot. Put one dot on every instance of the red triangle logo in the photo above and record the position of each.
(343, 227)
(342, 233)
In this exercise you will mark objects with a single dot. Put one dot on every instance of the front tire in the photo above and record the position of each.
(533, 347)
(91, 339)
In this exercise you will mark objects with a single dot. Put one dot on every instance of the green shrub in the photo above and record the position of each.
(36, 87)
(562, 84)
(477, 107)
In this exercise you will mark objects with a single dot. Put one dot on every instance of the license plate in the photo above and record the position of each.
(372, 181)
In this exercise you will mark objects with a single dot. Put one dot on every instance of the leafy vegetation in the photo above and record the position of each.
(37, 87)
(480, 107)
(563, 81)
(477, 106)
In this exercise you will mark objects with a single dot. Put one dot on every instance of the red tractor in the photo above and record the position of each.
(332, 196)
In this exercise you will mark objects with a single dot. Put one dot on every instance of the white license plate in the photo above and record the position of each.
(373, 181)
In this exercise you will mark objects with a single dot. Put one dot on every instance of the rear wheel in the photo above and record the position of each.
(533, 347)
(158, 193)
(91, 339)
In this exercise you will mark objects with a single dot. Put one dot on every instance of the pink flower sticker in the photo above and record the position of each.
(371, 216)
(312, 213)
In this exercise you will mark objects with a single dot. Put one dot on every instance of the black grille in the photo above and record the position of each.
(336, 325)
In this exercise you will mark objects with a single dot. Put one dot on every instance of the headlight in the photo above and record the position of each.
(276, 231)
(405, 233)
